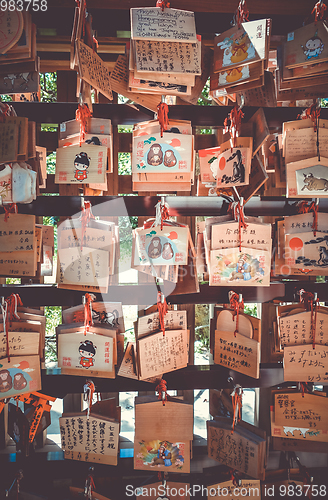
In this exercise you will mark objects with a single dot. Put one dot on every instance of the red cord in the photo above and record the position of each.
(237, 307)
(163, 116)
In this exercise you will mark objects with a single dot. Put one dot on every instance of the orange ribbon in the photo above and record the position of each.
(86, 216)
(311, 304)
(304, 208)
(11, 208)
(237, 307)
(161, 388)
(163, 116)
(88, 321)
(162, 310)
(82, 115)
(319, 11)
(164, 214)
(237, 211)
(242, 13)
(235, 117)
(237, 403)
(163, 4)
(313, 112)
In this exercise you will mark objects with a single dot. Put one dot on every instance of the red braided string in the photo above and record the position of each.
(88, 321)
(237, 211)
(237, 307)
(237, 402)
(319, 11)
(307, 298)
(164, 214)
(4, 111)
(242, 13)
(163, 116)
(82, 115)
(162, 388)
(162, 310)
(232, 474)
(235, 117)
(313, 112)
(163, 4)
(11, 208)
(86, 216)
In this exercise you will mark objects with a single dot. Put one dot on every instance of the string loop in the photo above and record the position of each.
(162, 310)
(319, 11)
(235, 116)
(236, 208)
(163, 116)
(88, 320)
(242, 13)
(88, 389)
(86, 216)
(311, 303)
(11, 208)
(163, 4)
(82, 115)
(161, 388)
(237, 304)
(237, 402)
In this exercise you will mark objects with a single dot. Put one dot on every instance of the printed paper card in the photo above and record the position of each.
(239, 46)
(162, 455)
(153, 154)
(171, 24)
(233, 164)
(308, 178)
(303, 363)
(303, 250)
(162, 247)
(91, 354)
(243, 268)
(89, 440)
(20, 376)
(306, 45)
(81, 164)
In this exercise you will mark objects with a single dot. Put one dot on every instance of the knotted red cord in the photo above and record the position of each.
(161, 388)
(88, 321)
(242, 13)
(86, 216)
(82, 115)
(163, 116)
(304, 208)
(311, 304)
(313, 112)
(92, 485)
(164, 214)
(237, 403)
(11, 208)
(4, 111)
(163, 4)
(319, 11)
(162, 310)
(235, 117)
(237, 307)
(303, 388)
(237, 211)
(233, 476)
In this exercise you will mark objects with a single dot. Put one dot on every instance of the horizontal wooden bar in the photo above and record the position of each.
(265, 7)
(193, 377)
(144, 206)
(127, 114)
(146, 294)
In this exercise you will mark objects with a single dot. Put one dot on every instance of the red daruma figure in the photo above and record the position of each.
(87, 353)
(81, 164)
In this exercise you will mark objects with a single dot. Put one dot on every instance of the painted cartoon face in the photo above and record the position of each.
(313, 43)
(80, 166)
(156, 150)
(86, 354)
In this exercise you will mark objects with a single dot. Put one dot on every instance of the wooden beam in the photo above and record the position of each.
(262, 7)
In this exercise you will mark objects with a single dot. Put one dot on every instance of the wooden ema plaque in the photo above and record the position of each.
(301, 410)
(89, 440)
(106, 313)
(20, 376)
(302, 362)
(307, 178)
(306, 45)
(163, 435)
(83, 164)
(93, 70)
(173, 320)
(237, 353)
(243, 450)
(295, 329)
